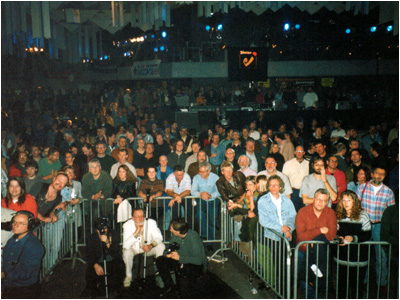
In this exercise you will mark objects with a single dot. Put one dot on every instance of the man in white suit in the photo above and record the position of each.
(140, 236)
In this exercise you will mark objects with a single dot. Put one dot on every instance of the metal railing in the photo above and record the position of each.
(340, 271)
(269, 258)
(268, 253)
(58, 239)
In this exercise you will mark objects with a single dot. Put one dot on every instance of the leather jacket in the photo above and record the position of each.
(125, 189)
(230, 192)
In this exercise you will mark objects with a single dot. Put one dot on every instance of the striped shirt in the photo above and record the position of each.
(372, 204)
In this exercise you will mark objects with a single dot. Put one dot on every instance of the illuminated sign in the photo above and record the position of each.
(247, 60)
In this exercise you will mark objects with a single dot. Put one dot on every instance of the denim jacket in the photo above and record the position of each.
(268, 215)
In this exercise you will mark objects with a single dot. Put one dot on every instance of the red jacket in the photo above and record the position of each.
(16, 170)
(341, 183)
(308, 225)
(29, 205)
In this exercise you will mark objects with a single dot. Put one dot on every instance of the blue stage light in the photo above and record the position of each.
(155, 49)
(286, 27)
(348, 30)
(208, 27)
(162, 48)
(152, 36)
(164, 34)
(297, 26)
(219, 27)
(105, 56)
(373, 28)
(389, 28)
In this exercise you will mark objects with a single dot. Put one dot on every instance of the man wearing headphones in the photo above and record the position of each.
(22, 257)
(187, 257)
(102, 245)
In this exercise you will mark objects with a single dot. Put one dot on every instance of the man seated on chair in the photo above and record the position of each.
(140, 237)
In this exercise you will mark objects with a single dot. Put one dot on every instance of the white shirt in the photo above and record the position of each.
(296, 171)
(287, 189)
(255, 135)
(278, 204)
(335, 133)
(310, 99)
(114, 169)
(172, 184)
(254, 163)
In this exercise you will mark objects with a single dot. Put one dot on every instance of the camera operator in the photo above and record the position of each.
(187, 257)
(137, 240)
(22, 257)
(103, 245)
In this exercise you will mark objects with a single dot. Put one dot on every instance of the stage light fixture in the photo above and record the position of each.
(155, 49)
(164, 34)
(348, 30)
(106, 57)
(124, 53)
(162, 48)
(152, 36)
(101, 58)
(36, 49)
(286, 27)
(219, 27)
(389, 28)
(373, 28)
(297, 26)
(208, 27)
(41, 49)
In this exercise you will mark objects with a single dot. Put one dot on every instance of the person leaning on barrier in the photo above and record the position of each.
(276, 211)
(49, 198)
(21, 259)
(315, 222)
(178, 186)
(375, 197)
(137, 241)
(204, 187)
(231, 185)
(354, 226)
(124, 185)
(102, 244)
(96, 185)
(187, 258)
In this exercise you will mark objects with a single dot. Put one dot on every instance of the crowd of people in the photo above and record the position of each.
(306, 181)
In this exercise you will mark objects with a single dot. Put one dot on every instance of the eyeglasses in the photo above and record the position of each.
(321, 200)
(298, 151)
(19, 223)
(334, 161)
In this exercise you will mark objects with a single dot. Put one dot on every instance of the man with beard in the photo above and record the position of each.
(318, 180)
(270, 166)
(244, 163)
(375, 197)
(137, 241)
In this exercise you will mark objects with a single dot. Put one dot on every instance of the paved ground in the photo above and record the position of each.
(227, 280)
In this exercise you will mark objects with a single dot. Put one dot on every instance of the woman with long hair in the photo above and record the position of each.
(124, 185)
(17, 199)
(354, 226)
(363, 175)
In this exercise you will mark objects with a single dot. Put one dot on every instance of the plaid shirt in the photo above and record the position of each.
(375, 205)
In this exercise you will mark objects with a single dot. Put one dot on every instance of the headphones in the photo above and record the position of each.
(31, 218)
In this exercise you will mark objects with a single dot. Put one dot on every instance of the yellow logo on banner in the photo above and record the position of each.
(265, 84)
(327, 82)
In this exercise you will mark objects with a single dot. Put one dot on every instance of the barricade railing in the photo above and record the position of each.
(265, 251)
(205, 217)
(333, 270)
(58, 240)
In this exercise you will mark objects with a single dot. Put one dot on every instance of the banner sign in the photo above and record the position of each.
(146, 69)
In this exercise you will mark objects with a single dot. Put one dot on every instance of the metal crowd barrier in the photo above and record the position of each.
(343, 275)
(58, 240)
(269, 258)
(205, 217)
